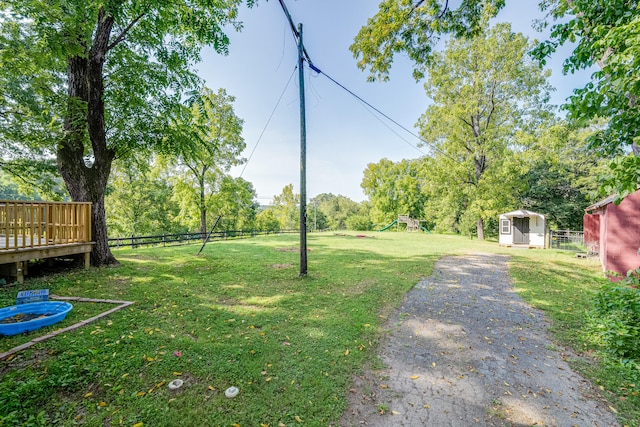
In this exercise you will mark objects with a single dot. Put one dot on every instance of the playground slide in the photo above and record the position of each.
(395, 221)
(425, 229)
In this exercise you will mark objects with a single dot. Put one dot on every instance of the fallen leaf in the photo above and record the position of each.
(235, 425)
(88, 395)
(415, 377)
(297, 418)
(177, 374)
(395, 413)
(212, 388)
(346, 353)
(141, 393)
(102, 404)
(426, 406)
(384, 386)
(138, 425)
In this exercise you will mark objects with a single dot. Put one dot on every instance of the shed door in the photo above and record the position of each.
(521, 231)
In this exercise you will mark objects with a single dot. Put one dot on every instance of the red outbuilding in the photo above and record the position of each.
(613, 231)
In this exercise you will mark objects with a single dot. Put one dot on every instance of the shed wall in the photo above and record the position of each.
(505, 238)
(537, 231)
(621, 238)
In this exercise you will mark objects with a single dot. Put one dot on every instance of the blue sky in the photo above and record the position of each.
(342, 135)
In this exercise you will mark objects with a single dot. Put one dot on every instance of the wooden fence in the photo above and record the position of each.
(27, 224)
(190, 237)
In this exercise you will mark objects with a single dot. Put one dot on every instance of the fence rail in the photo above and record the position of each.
(27, 224)
(189, 238)
(568, 240)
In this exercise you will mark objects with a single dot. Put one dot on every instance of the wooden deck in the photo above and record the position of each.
(37, 230)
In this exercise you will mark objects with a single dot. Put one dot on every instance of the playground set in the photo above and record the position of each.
(412, 224)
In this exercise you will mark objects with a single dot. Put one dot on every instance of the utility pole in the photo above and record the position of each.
(302, 54)
(303, 159)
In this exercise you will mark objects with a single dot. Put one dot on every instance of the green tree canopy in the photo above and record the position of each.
(334, 209)
(87, 83)
(286, 208)
(484, 90)
(394, 189)
(236, 202)
(606, 32)
(414, 27)
(561, 171)
(209, 145)
(138, 201)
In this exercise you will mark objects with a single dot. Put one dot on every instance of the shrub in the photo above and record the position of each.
(359, 223)
(616, 318)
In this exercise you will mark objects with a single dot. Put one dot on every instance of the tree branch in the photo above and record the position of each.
(124, 32)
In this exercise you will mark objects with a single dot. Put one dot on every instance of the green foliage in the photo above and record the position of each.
(359, 223)
(335, 210)
(615, 319)
(561, 174)
(485, 93)
(87, 84)
(266, 220)
(236, 202)
(606, 33)
(414, 28)
(139, 202)
(395, 189)
(286, 208)
(209, 141)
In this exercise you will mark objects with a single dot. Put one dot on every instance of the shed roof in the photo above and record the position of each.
(521, 213)
(601, 203)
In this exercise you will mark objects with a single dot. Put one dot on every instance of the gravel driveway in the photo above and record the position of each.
(465, 350)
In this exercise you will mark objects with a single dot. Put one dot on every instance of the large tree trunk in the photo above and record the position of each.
(86, 179)
(480, 229)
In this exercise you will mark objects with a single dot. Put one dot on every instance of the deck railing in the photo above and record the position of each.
(26, 224)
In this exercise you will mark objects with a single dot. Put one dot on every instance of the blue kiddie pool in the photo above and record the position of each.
(29, 317)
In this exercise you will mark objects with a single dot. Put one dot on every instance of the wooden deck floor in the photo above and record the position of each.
(32, 230)
(12, 243)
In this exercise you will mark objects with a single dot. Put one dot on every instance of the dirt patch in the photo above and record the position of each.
(280, 266)
(464, 349)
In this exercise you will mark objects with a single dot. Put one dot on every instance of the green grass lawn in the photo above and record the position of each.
(239, 315)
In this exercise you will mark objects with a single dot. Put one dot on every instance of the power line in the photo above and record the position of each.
(296, 35)
(268, 121)
(367, 104)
